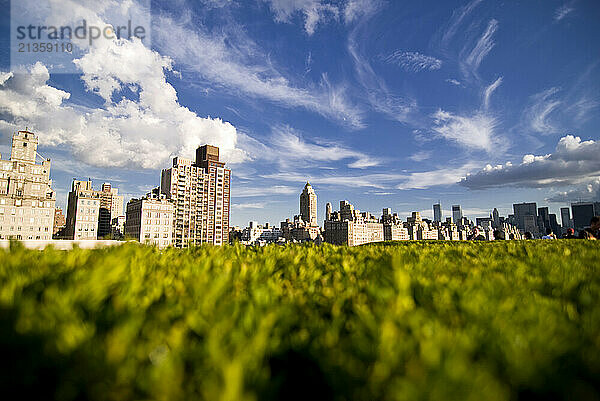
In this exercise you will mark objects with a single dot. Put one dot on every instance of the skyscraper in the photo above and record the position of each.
(582, 214)
(437, 212)
(496, 218)
(27, 200)
(457, 214)
(308, 205)
(328, 211)
(526, 209)
(565, 218)
(200, 191)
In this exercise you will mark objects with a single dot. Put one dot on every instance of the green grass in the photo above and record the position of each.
(409, 321)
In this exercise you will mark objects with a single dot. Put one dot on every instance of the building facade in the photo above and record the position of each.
(27, 200)
(83, 206)
(200, 192)
(308, 205)
(457, 215)
(111, 206)
(437, 212)
(149, 220)
(350, 227)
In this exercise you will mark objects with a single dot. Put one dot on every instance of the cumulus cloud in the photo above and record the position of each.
(139, 131)
(474, 132)
(587, 193)
(414, 61)
(574, 161)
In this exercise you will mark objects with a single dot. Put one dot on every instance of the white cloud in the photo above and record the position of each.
(251, 205)
(379, 181)
(540, 108)
(442, 176)
(456, 20)
(313, 11)
(564, 10)
(470, 62)
(574, 161)
(357, 8)
(489, 91)
(589, 192)
(475, 132)
(454, 82)
(287, 145)
(238, 191)
(377, 93)
(414, 61)
(242, 68)
(141, 133)
(420, 156)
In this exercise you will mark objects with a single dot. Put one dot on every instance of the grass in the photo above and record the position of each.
(409, 321)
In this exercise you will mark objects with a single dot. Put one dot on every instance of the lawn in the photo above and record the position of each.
(408, 321)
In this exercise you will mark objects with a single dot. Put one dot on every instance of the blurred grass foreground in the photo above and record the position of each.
(411, 321)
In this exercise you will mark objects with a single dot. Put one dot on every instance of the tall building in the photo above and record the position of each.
(83, 209)
(565, 218)
(526, 216)
(200, 192)
(437, 212)
(328, 211)
(27, 200)
(496, 218)
(457, 215)
(150, 220)
(308, 205)
(582, 214)
(111, 206)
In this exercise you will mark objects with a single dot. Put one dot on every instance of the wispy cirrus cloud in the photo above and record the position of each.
(564, 10)
(538, 113)
(472, 131)
(489, 91)
(432, 178)
(380, 98)
(314, 12)
(458, 17)
(413, 61)
(471, 60)
(242, 68)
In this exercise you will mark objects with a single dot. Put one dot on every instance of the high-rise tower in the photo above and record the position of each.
(308, 205)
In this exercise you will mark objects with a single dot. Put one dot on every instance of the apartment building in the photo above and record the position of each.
(27, 200)
(83, 207)
(351, 227)
(111, 207)
(200, 192)
(150, 220)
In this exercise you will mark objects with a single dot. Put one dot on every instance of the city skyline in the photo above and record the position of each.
(389, 105)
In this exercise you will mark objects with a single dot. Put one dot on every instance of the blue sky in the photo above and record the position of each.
(383, 103)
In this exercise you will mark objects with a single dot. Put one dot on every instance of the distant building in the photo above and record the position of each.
(149, 220)
(27, 200)
(565, 218)
(308, 205)
(117, 227)
(350, 227)
(393, 228)
(111, 206)
(526, 216)
(83, 206)
(437, 212)
(496, 218)
(60, 221)
(256, 234)
(582, 214)
(457, 215)
(200, 192)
